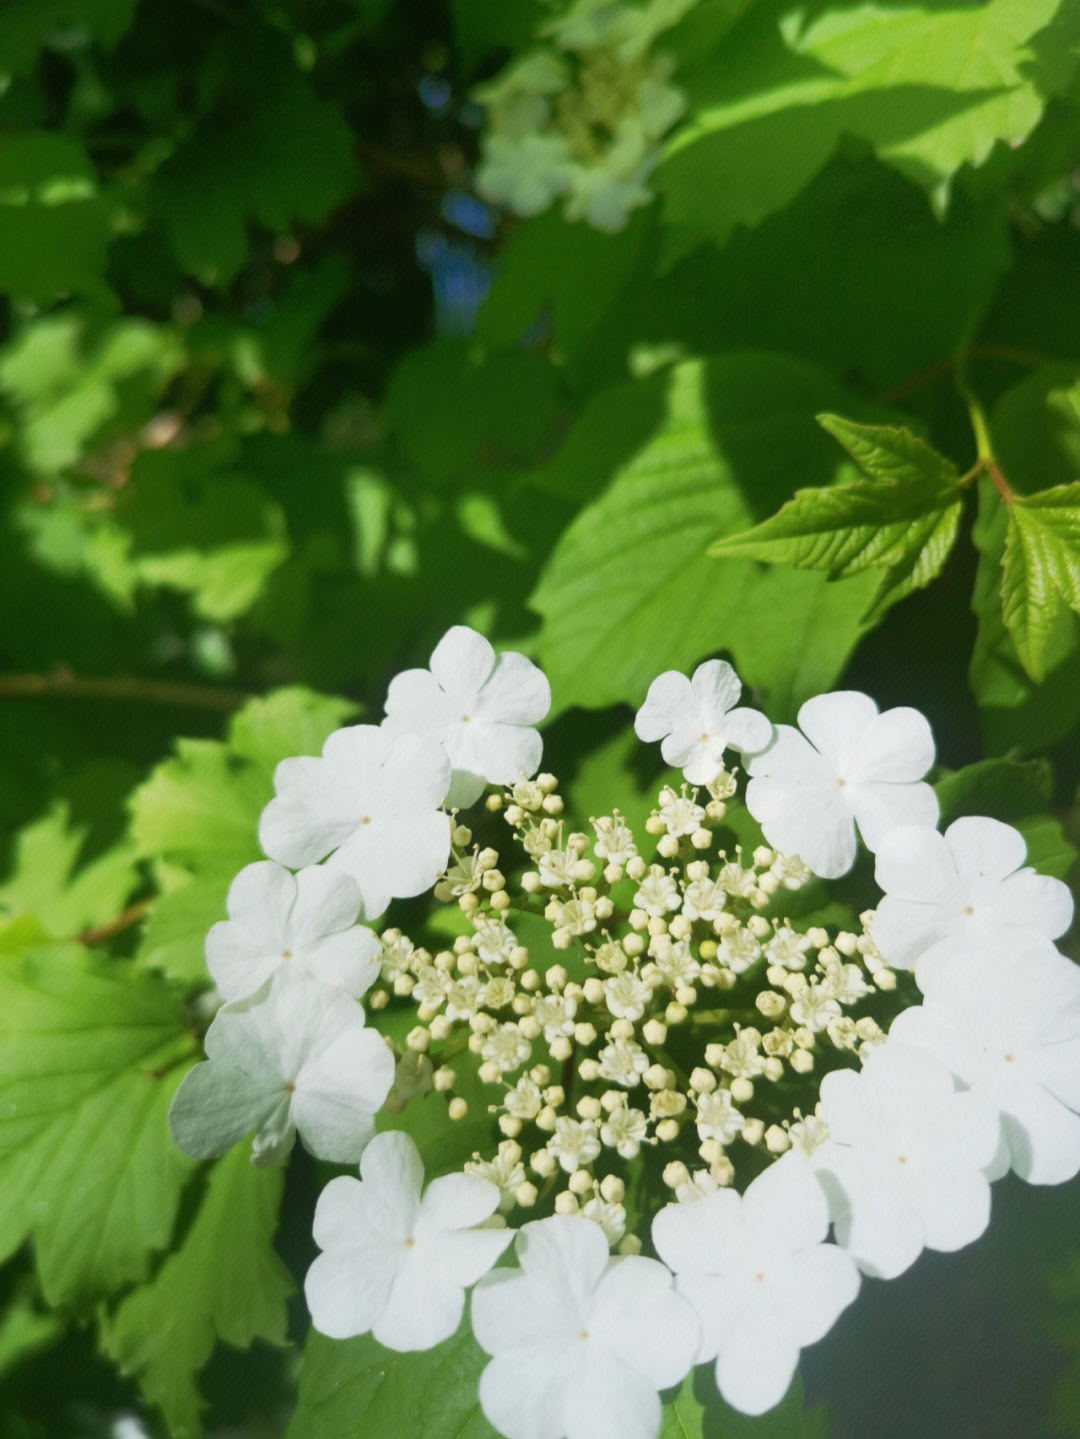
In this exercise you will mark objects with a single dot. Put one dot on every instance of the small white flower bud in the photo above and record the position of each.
(777, 1139)
(633, 945)
(530, 1026)
(846, 943)
(594, 990)
(622, 1029)
(758, 926)
(580, 1182)
(561, 1048)
(675, 1174)
(701, 839)
(773, 1068)
(457, 1108)
(753, 1130)
(654, 1031)
(770, 1004)
(404, 984)
(378, 999)
(566, 1203)
(675, 1014)
(444, 1078)
(544, 1163)
(531, 882)
(818, 937)
(708, 950)
(526, 1194)
(545, 1120)
(553, 804)
(667, 1130)
(510, 1125)
(711, 1151)
(418, 1039)
(488, 1072)
(802, 1061)
(702, 1081)
(589, 1070)
(657, 1077)
(742, 1090)
(603, 907)
(635, 867)
(715, 810)
(629, 1244)
(468, 904)
(584, 1033)
(494, 803)
(589, 1107)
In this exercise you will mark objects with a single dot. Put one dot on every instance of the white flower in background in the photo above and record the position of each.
(395, 1261)
(764, 1283)
(371, 803)
(904, 1168)
(962, 892)
(581, 1341)
(1009, 1028)
(696, 720)
(849, 766)
(295, 1056)
(479, 706)
(306, 921)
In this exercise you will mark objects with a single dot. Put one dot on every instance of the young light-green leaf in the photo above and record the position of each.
(1041, 569)
(90, 1055)
(224, 1281)
(902, 517)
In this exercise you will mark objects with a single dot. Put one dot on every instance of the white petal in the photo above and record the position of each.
(417, 704)
(835, 724)
(397, 859)
(566, 1253)
(954, 1206)
(790, 755)
(326, 901)
(717, 688)
(415, 776)
(456, 1201)
(293, 834)
(913, 865)
(348, 960)
(896, 747)
(357, 751)
(517, 692)
(811, 820)
(214, 1107)
(1037, 902)
(462, 661)
(238, 962)
(466, 787)
(511, 1312)
(812, 1291)
(755, 1368)
(611, 1400)
(903, 930)
(392, 1170)
(984, 848)
(719, 1301)
(699, 762)
(638, 1316)
(459, 1257)
(346, 1292)
(261, 899)
(521, 1393)
(699, 1237)
(420, 1311)
(341, 1214)
(748, 730)
(1043, 1136)
(509, 753)
(881, 809)
(873, 1216)
(848, 1106)
(669, 702)
(784, 1209)
(337, 1093)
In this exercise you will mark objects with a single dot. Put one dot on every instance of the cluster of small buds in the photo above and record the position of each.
(582, 117)
(679, 1013)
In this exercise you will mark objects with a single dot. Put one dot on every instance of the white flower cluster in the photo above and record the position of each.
(582, 116)
(675, 999)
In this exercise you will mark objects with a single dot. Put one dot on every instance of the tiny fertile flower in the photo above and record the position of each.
(479, 706)
(581, 1342)
(696, 720)
(849, 766)
(962, 892)
(294, 1056)
(306, 921)
(1009, 1028)
(757, 1271)
(395, 1261)
(904, 1168)
(370, 803)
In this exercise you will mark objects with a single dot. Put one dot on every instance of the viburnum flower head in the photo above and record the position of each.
(370, 803)
(762, 1280)
(479, 706)
(294, 1056)
(581, 1341)
(846, 765)
(397, 1258)
(305, 921)
(962, 892)
(904, 1166)
(696, 720)
(1009, 1028)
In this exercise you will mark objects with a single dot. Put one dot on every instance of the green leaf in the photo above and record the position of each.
(279, 155)
(932, 90)
(75, 380)
(26, 26)
(54, 229)
(1016, 713)
(356, 1389)
(89, 1060)
(47, 880)
(1040, 570)
(24, 1330)
(903, 518)
(698, 1412)
(629, 589)
(197, 526)
(199, 811)
(223, 1281)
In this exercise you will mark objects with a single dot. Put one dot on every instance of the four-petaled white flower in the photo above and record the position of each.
(962, 892)
(371, 803)
(581, 1341)
(696, 720)
(306, 921)
(479, 706)
(849, 766)
(904, 1167)
(294, 1056)
(1009, 1027)
(756, 1269)
(395, 1261)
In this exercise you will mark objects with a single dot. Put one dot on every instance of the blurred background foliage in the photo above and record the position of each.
(281, 399)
